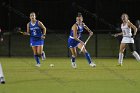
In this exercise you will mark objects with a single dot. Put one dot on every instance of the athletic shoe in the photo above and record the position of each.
(37, 65)
(92, 64)
(43, 56)
(2, 81)
(73, 64)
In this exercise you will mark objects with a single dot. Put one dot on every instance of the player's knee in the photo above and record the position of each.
(74, 55)
(39, 54)
(121, 51)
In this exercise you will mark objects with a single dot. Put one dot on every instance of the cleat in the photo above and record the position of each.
(37, 65)
(92, 64)
(73, 64)
(2, 81)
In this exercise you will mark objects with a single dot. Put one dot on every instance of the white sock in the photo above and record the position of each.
(136, 55)
(1, 72)
(120, 61)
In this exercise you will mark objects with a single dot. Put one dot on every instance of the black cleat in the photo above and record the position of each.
(2, 81)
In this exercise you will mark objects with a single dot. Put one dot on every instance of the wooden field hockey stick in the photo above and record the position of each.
(84, 45)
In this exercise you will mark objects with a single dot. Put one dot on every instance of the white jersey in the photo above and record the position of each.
(126, 30)
(126, 34)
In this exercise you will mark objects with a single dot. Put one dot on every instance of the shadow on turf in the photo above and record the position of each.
(122, 77)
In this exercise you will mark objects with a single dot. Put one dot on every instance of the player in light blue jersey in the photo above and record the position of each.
(37, 32)
(75, 41)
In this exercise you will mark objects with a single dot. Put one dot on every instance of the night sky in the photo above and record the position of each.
(60, 14)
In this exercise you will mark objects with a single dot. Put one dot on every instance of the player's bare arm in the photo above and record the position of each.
(133, 26)
(86, 27)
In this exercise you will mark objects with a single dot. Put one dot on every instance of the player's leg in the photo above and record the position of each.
(2, 79)
(87, 55)
(121, 51)
(39, 50)
(134, 53)
(36, 56)
(74, 54)
(43, 56)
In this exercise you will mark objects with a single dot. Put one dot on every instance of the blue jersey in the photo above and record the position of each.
(35, 30)
(35, 34)
(79, 31)
(71, 41)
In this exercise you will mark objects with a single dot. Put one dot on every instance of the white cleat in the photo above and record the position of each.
(92, 64)
(43, 56)
(37, 65)
(73, 64)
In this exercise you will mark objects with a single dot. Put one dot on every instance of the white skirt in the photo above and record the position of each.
(127, 40)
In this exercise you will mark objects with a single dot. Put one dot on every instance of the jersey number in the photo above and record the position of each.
(34, 32)
(124, 33)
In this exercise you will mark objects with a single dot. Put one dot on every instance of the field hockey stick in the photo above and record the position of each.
(113, 35)
(14, 31)
(85, 44)
(18, 30)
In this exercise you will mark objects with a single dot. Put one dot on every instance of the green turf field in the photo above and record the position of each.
(23, 77)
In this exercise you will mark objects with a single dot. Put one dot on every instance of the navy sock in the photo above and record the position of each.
(42, 54)
(87, 55)
(72, 59)
(37, 59)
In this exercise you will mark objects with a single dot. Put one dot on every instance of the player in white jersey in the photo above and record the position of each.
(128, 38)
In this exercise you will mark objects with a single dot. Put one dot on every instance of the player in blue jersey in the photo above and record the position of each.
(75, 41)
(37, 32)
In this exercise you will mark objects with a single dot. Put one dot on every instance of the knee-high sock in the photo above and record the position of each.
(1, 72)
(120, 61)
(43, 55)
(136, 55)
(73, 58)
(37, 59)
(87, 55)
